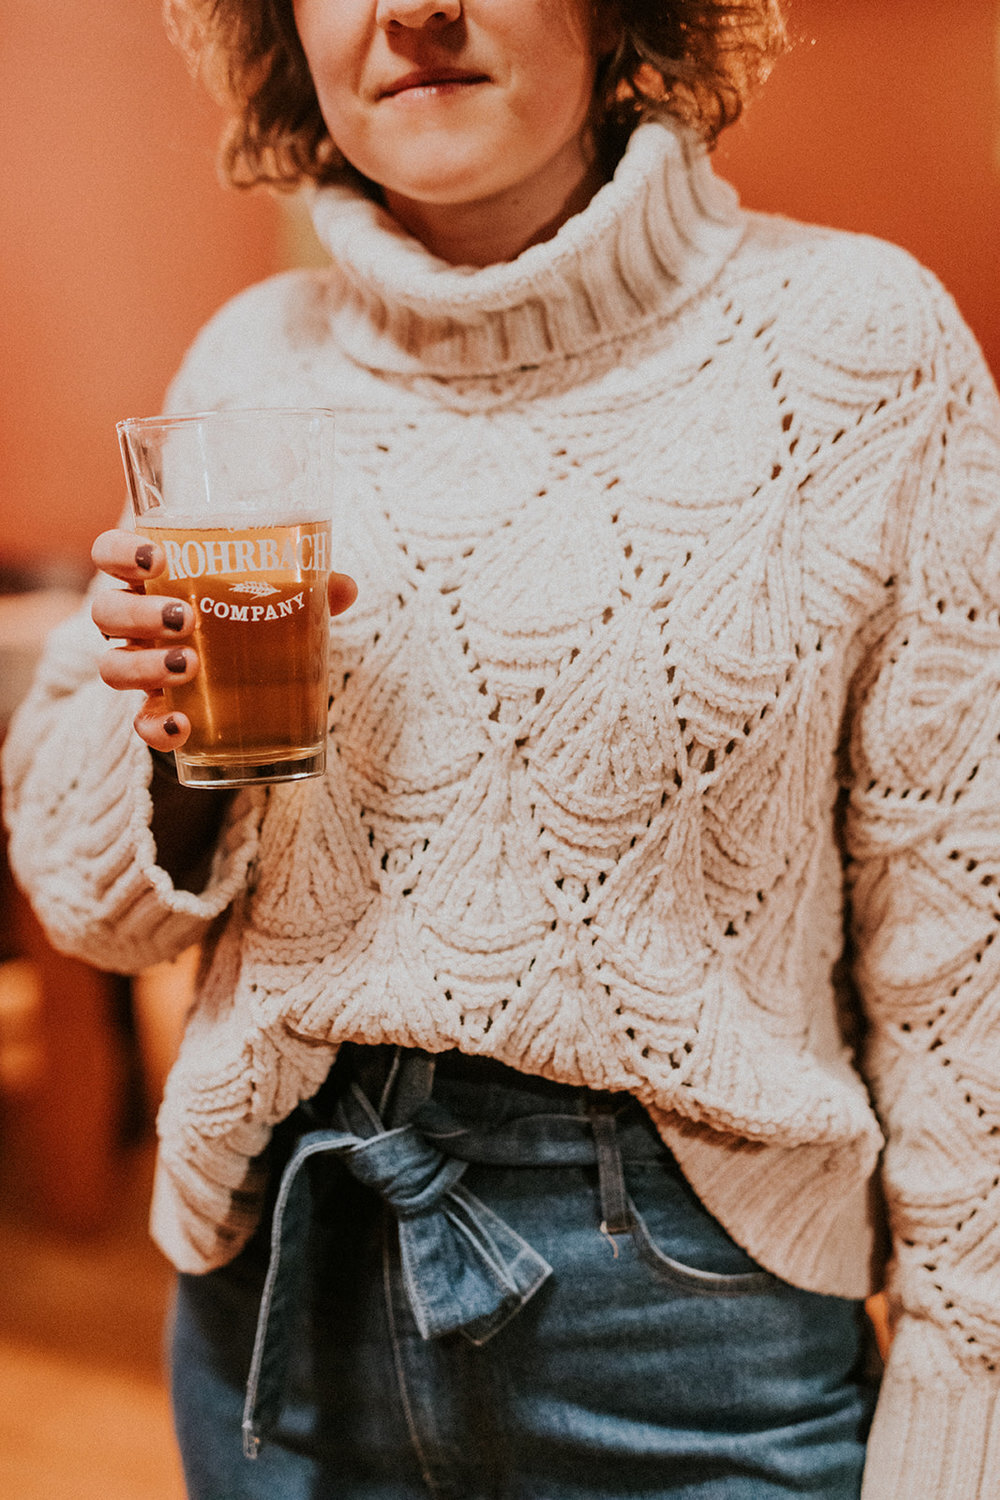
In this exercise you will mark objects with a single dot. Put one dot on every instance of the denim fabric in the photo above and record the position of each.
(465, 1270)
(657, 1360)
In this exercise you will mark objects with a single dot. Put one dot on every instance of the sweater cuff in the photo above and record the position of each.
(78, 802)
(936, 1436)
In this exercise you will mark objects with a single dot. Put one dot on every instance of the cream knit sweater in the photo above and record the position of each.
(677, 545)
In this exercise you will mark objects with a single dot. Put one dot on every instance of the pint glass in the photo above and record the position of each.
(241, 503)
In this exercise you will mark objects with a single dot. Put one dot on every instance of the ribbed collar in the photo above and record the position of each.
(647, 240)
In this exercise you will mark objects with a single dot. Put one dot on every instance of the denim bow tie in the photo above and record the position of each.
(465, 1269)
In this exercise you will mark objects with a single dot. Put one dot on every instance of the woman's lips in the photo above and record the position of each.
(432, 80)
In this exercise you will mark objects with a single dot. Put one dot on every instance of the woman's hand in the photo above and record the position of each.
(156, 632)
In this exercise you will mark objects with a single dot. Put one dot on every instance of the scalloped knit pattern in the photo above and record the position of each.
(677, 546)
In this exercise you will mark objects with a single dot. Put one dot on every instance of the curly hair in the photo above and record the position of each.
(696, 60)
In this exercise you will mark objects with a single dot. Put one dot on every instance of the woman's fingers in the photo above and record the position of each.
(341, 592)
(138, 618)
(147, 668)
(155, 629)
(128, 557)
(118, 613)
(161, 730)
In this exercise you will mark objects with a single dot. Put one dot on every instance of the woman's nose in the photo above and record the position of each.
(392, 15)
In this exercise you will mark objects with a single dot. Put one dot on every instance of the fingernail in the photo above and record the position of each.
(173, 616)
(171, 726)
(175, 661)
(144, 556)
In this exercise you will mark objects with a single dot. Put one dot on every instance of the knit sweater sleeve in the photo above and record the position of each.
(78, 806)
(76, 781)
(924, 840)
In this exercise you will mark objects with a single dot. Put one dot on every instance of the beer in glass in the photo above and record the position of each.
(241, 503)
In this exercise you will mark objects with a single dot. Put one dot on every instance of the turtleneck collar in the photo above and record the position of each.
(649, 239)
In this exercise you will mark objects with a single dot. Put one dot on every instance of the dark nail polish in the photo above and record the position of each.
(175, 661)
(144, 556)
(171, 726)
(173, 616)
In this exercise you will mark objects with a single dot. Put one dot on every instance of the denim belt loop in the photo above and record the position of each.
(464, 1268)
(410, 1083)
(616, 1210)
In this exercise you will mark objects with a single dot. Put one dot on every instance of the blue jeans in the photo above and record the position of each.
(610, 1340)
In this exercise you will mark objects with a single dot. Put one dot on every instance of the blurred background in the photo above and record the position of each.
(118, 243)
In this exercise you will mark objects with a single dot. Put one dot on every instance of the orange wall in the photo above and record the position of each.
(885, 118)
(118, 241)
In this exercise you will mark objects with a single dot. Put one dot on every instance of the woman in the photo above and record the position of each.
(519, 1145)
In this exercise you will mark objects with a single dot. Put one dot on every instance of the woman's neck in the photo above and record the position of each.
(497, 229)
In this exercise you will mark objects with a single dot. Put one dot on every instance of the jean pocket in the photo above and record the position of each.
(681, 1242)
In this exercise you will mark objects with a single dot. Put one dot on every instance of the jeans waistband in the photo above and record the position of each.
(480, 1110)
